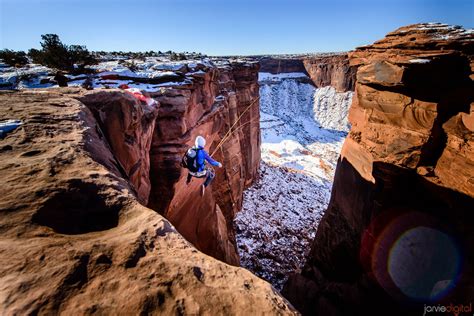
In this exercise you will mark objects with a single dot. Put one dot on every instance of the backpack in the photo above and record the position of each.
(189, 159)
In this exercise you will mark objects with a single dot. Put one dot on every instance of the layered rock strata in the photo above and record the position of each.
(331, 70)
(276, 65)
(398, 230)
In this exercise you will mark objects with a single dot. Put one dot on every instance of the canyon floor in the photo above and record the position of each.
(281, 211)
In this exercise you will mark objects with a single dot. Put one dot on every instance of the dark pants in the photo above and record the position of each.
(209, 176)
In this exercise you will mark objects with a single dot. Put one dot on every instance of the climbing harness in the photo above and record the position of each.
(230, 131)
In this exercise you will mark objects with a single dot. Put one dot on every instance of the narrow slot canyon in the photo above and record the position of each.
(303, 129)
(298, 128)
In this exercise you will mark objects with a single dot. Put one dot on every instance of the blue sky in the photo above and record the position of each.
(220, 27)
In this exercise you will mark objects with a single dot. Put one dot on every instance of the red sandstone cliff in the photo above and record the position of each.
(331, 70)
(208, 107)
(398, 230)
(75, 240)
(128, 126)
(277, 65)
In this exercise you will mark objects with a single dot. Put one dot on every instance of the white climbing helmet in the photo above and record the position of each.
(200, 142)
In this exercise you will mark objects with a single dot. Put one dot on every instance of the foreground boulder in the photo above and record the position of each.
(75, 239)
(397, 235)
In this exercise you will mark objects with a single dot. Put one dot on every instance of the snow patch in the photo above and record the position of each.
(419, 61)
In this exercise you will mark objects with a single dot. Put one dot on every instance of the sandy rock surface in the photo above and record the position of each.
(75, 240)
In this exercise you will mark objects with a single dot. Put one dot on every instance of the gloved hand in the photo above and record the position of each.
(219, 165)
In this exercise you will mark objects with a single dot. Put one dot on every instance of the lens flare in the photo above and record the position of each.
(424, 263)
(411, 255)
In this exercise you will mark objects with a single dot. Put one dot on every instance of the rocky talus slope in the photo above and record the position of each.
(398, 230)
(76, 234)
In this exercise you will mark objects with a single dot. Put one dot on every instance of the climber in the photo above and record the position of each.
(195, 160)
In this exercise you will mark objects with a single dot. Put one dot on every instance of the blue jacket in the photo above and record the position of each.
(202, 156)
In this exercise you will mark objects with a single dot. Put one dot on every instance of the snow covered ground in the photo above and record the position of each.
(148, 74)
(303, 129)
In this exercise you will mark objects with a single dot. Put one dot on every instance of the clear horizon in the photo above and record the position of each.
(214, 28)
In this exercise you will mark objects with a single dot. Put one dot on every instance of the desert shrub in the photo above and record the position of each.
(36, 56)
(81, 56)
(55, 54)
(13, 58)
(176, 57)
(130, 65)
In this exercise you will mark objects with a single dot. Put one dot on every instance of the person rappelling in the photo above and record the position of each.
(195, 161)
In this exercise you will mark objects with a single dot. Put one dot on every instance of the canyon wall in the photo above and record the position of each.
(331, 70)
(330, 74)
(127, 126)
(397, 233)
(208, 106)
(276, 65)
(334, 79)
(74, 237)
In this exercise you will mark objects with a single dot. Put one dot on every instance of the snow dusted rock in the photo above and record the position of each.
(331, 108)
(278, 221)
(286, 96)
(399, 225)
(290, 96)
(150, 74)
(28, 76)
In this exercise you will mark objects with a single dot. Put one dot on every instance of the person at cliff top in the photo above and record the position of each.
(138, 94)
(195, 160)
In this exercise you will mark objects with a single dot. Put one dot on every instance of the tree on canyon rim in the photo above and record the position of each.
(55, 54)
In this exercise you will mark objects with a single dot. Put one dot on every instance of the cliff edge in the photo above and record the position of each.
(397, 233)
